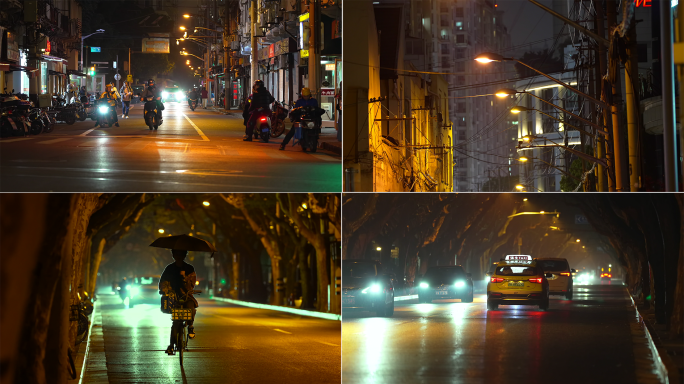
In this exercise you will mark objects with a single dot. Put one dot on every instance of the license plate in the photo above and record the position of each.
(348, 300)
(442, 292)
(516, 284)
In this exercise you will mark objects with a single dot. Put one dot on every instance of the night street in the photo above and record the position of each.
(234, 344)
(592, 339)
(191, 151)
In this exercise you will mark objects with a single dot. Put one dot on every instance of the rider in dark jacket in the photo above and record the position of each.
(260, 98)
(152, 90)
(305, 101)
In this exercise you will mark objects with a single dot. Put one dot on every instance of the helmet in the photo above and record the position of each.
(150, 82)
(258, 83)
(306, 92)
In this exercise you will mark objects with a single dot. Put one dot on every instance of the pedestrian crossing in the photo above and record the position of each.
(180, 147)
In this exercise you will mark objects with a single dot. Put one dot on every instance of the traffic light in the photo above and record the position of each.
(223, 281)
(92, 71)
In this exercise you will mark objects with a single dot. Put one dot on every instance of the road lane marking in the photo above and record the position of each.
(325, 157)
(17, 139)
(55, 140)
(204, 137)
(88, 131)
(323, 342)
(280, 330)
(137, 145)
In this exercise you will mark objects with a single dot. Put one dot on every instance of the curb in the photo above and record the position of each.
(657, 351)
(303, 312)
(82, 358)
(330, 147)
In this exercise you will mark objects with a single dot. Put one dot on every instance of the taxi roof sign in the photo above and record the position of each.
(518, 258)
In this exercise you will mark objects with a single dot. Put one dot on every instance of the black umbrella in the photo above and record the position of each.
(183, 242)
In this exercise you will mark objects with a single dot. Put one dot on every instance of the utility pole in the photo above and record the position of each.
(314, 47)
(680, 18)
(669, 129)
(631, 71)
(617, 100)
(601, 63)
(254, 54)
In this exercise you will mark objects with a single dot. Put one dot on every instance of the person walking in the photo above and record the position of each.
(126, 93)
(205, 95)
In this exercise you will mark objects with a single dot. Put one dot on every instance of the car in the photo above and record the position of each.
(446, 282)
(518, 280)
(145, 289)
(492, 268)
(172, 94)
(606, 276)
(365, 288)
(561, 281)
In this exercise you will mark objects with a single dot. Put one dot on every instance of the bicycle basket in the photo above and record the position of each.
(181, 314)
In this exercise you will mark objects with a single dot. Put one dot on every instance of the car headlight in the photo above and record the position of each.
(424, 285)
(460, 284)
(127, 288)
(103, 109)
(375, 288)
(135, 291)
(179, 95)
(164, 94)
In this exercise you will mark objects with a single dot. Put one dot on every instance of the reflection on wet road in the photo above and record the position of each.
(588, 339)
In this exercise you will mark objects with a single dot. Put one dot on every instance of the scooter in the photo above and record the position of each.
(106, 114)
(193, 104)
(310, 127)
(262, 126)
(151, 113)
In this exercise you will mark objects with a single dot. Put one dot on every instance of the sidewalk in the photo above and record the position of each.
(327, 141)
(670, 349)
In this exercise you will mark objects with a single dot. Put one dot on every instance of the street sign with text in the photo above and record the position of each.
(95, 49)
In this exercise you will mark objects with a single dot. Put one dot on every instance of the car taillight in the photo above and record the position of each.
(497, 280)
(565, 274)
(263, 119)
(536, 280)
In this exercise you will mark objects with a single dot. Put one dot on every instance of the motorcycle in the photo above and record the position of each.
(278, 116)
(126, 293)
(106, 114)
(306, 118)
(151, 113)
(262, 126)
(14, 116)
(66, 114)
(192, 103)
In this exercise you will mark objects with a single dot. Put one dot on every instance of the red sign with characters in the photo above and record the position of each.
(643, 3)
(327, 91)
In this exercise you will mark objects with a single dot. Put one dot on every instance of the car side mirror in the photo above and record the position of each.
(548, 275)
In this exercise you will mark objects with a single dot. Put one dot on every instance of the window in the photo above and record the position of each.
(459, 66)
(459, 12)
(446, 63)
(445, 49)
(444, 22)
(443, 8)
(461, 122)
(460, 53)
(460, 39)
(460, 79)
(642, 51)
(459, 25)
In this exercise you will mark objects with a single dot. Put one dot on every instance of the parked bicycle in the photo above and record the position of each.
(180, 316)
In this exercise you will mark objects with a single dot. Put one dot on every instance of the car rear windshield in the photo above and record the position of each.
(359, 270)
(442, 275)
(553, 265)
(171, 89)
(147, 280)
(512, 270)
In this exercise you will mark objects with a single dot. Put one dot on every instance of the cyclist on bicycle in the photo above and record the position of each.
(179, 277)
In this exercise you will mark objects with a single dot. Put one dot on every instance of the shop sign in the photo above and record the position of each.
(336, 29)
(271, 50)
(304, 53)
(12, 47)
(49, 47)
(95, 49)
(330, 67)
(327, 91)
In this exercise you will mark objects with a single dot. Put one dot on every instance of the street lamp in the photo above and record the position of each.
(83, 38)
(489, 57)
(578, 240)
(378, 249)
(182, 28)
(206, 203)
(161, 230)
(187, 16)
(519, 187)
(525, 158)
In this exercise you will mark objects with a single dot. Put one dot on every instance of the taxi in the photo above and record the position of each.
(518, 280)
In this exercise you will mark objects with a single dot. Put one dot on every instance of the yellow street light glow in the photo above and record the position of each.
(515, 110)
(578, 240)
(378, 249)
(525, 199)
(182, 39)
(177, 42)
(483, 60)
(519, 187)
(501, 94)
(542, 212)
(526, 138)
(610, 265)
(583, 247)
(304, 205)
(186, 16)
(182, 28)
(196, 282)
(185, 34)
(161, 230)
(206, 203)
(523, 159)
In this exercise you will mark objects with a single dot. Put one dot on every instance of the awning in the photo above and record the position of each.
(27, 69)
(75, 73)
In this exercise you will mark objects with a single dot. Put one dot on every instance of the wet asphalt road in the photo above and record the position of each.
(198, 151)
(592, 339)
(234, 344)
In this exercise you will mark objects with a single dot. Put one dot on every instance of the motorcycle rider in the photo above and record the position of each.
(305, 101)
(123, 286)
(152, 91)
(110, 94)
(192, 95)
(260, 98)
